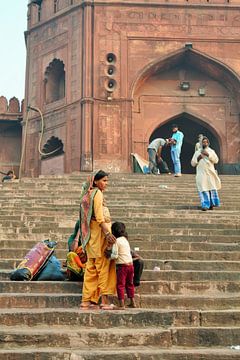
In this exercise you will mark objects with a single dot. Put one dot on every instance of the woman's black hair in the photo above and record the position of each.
(119, 229)
(99, 175)
(206, 138)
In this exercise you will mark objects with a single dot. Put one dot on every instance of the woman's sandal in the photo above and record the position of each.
(91, 306)
(85, 306)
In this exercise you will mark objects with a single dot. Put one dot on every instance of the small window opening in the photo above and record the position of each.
(53, 147)
(54, 81)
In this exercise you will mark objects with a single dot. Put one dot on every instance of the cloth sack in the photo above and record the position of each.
(52, 271)
(34, 261)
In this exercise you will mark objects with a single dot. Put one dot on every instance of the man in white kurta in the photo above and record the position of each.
(207, 179)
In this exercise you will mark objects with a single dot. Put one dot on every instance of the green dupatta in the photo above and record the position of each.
(73, 235)
(86, 211)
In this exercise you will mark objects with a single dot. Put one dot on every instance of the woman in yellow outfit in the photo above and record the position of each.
(95, 232)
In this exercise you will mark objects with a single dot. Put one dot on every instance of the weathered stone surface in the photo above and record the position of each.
(122, 354)
(206, 337)
(188, 310)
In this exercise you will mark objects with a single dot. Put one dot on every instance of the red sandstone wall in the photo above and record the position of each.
(10, 134)
(58, 39)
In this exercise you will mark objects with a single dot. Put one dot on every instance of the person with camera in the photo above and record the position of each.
(207, 180)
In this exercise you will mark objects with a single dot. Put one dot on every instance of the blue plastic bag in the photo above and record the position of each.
(146, 169)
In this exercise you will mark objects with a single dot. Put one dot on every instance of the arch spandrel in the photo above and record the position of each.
(158, 99)
(205, 63)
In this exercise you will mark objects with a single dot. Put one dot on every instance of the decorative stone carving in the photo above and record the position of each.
(14, 106)
(3, 105)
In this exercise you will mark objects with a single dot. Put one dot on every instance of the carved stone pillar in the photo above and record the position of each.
(87, 88)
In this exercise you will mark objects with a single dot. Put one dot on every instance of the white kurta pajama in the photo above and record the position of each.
(207, 180)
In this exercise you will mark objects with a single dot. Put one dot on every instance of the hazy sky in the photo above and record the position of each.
(13, 23)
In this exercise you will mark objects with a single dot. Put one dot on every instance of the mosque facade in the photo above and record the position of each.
(109, 76)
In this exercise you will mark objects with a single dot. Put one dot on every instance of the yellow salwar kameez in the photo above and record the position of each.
(100, 273)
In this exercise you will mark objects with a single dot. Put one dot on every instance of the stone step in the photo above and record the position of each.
(89, 338)
(163, 255)
(187, 302)
(192, 302)
(4, 274)
(192, 265)
(134, 224)
(84, 175)
(160, 287)
(184, 185)
(188, 275)
(135, 220)
(136, 179)
(138, 210)
(130, 179)
(161, 186)
(30, 287)
(150, 234)
(131, 318)
(227, 302)
(153, 234)
(39, 300)
(97, 338)
(111, 196)
(126, 353)
(206, 337)
(204, 287)
(150, 264)
(8, 218)
(161, 244)
(174, 204)
(160, 190)
(137, 241)
(191, 255)
(192, 209)
(170, 270)
(162, 182)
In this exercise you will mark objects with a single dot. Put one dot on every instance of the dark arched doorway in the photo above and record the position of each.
(191, 127)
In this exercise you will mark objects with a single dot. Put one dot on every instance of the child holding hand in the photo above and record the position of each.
(121, 252)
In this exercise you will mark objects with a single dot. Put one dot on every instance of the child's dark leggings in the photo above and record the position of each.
(125, 274)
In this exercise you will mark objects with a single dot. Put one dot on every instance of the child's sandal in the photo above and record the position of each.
(108, 307)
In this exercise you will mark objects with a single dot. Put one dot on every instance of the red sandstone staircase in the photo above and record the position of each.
(189, 310)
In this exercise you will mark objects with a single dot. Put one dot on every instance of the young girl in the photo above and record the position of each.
(125, 271)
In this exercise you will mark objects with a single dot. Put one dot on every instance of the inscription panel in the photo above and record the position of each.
(191, 22)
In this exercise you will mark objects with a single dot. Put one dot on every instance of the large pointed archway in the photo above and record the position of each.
(191, 127)
(199, 93)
